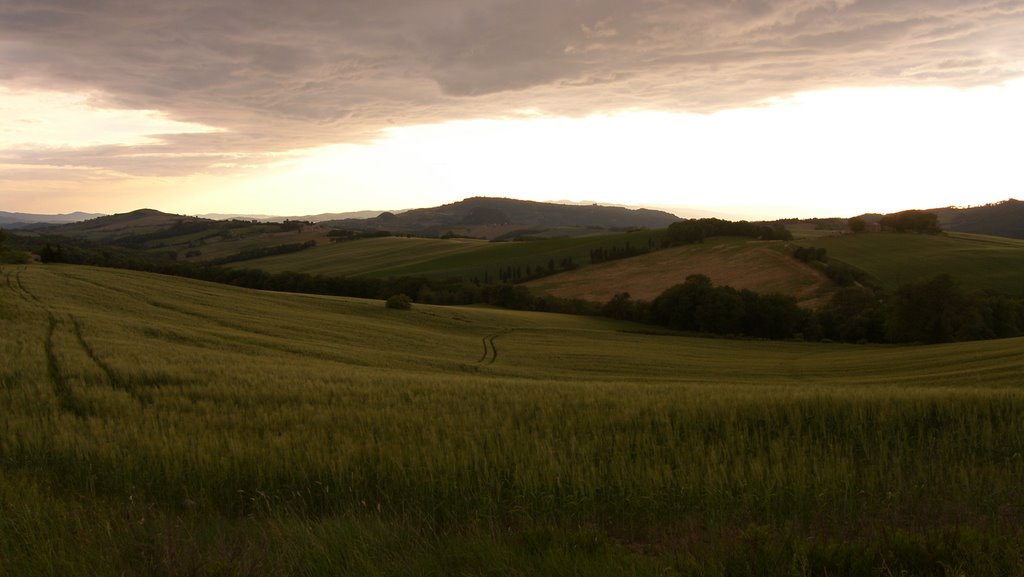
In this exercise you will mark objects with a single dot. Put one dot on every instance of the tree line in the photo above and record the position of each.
(697, 230)
(264, 251)
(935, 310)
(911, 221)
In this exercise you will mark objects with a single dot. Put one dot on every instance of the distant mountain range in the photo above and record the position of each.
(496, 218)
(309, 218)
(15, 220)
(490, 218)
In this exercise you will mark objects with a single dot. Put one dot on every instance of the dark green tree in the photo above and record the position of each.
(935, 311)
(676, 307)
(853, 314)
(911, 221)
(50, 254)
(619, 306)
(399, 301)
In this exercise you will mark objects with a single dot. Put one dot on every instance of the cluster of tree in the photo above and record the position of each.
(810, 254)
(696, 230)
(939, 310)
(211, 228)
(294, 225)
(699, 306)
(911, 221)
(519, 273)
(935, 310)
(11, 257)
(51, 254)
(856, 225)
(342, 235)
(180, 228)
(400, 301)
(854, 314)
(839, 272)
(264, 251)
(602, 254)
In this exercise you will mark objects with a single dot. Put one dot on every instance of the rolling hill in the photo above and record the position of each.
(444, 258)
(977, 261)
(495, 217)
(118, 226)
(759, 266)
(1004, 218)
(20, 220)
(158, 425)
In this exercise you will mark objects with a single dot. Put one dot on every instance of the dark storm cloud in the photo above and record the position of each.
(277, 75)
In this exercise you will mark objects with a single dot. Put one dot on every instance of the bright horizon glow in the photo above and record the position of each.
(825, 153)
(50, 119)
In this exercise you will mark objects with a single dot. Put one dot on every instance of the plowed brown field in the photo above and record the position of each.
(758, 266)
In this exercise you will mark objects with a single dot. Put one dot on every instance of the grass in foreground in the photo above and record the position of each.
(155, 425)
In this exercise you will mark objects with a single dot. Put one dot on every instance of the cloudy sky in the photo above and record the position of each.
(747, 107)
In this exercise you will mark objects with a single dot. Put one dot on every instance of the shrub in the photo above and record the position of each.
(399, 301)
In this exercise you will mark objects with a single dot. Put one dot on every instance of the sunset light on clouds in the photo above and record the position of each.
(770, 109)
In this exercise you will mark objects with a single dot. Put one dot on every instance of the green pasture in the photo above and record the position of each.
(977, 261)
(153, 425)
(444, 258)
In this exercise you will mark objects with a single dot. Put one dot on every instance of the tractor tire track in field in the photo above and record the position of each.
(61, 387)
(9, 276)
(258, 337)
(24, 292)
(490, 349)
(111, 375)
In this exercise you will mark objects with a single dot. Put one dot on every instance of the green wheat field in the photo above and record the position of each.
(152, 425)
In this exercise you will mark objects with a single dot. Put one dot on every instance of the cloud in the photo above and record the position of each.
(276, 76)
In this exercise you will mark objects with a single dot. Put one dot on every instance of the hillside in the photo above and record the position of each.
(203, 426)
(19, 220)
(154, 234)
(759, 266)
(119, 226)
(444, 258)
(976, 261)
(1004, 218)
(493, 217)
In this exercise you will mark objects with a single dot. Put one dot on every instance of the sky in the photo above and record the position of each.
(746, 108)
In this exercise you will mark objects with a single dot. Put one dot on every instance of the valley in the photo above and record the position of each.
(158, 423)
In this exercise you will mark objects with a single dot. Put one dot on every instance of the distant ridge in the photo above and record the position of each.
(309, 217)
(1004, 218)
(477, 212)
(23, 220)
(142, 221)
